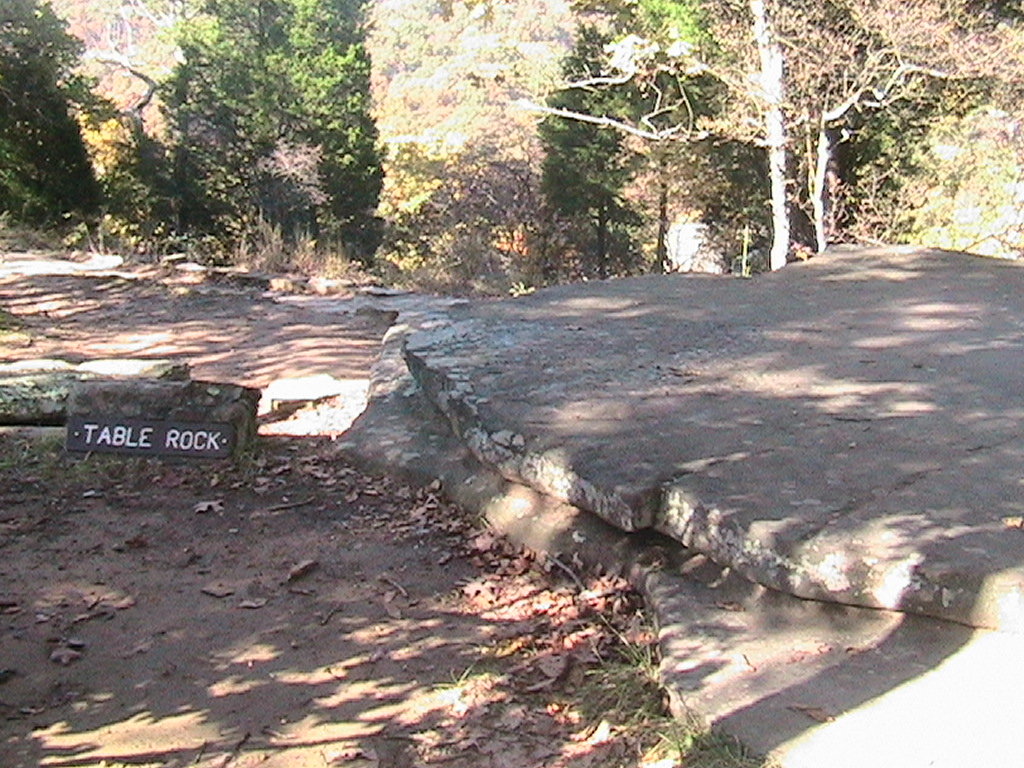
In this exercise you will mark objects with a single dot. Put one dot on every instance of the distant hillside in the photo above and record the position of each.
(443, 72)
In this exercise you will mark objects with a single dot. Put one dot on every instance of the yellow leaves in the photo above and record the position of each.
(106, 142)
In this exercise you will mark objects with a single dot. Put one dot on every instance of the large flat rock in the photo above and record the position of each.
(810, 684)
(848, 429)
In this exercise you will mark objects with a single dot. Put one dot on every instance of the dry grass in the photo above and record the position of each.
(17, 238)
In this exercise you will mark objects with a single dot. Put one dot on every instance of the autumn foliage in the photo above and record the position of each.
(495, 146)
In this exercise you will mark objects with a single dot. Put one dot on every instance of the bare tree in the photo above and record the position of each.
(126, 39)
(844, 57)
(771, 92)
(753, 70)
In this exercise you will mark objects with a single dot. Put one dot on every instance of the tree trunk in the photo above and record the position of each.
(821, 190)
(772, 94)
(602, 241)
(661, 250)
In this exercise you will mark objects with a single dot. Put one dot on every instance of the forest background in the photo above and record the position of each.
(499, 145)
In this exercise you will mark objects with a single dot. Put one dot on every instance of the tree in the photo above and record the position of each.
(270, 123)
(660, 52)
(845, 59)
(128, 47)
(45, 173)
(461, 198)
(585, 167)
(807, 69)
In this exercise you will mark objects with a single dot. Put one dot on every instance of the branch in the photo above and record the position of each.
(597, 82)
(159, 21)
(879, 95)
(120, 60)
(610, 122)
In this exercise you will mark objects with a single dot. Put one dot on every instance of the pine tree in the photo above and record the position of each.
(586, 167)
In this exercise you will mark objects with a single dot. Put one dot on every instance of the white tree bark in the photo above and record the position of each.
(821, 198)
(772, 93)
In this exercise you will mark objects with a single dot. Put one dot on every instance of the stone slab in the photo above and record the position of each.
(36, 391)
(154, 404)
(760, 665)
(850, 429)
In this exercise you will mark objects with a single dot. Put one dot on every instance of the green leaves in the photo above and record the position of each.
(272, 124)
(587, 166)
(44, 171)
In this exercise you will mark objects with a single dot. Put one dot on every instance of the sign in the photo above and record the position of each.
(150, 438)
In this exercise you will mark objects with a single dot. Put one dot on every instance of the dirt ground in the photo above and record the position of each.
(290, 610)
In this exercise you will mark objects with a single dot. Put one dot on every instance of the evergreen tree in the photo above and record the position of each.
(270, 120)
(586, 166)
(45, 172)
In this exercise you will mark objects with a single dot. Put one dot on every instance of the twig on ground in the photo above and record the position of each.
(391, 582)
(229, 759)
(290, 505)
(567, 570)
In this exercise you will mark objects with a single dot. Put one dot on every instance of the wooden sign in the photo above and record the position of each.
(150, 438)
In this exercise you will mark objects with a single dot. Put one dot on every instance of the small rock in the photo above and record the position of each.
(65, 656)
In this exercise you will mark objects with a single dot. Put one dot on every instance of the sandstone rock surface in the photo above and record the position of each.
(850, 429)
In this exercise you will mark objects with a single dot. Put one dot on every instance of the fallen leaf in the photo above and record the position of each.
(301, 570)
(815, 713)
(513, 718)
(141, 648)
(203, 507)
(357, 757)
(484, 542)
(601, 735)
(1015, 521)
(553, 666)
(258, 602)
(392, 610)
(391, 582)
(734, 607)
(217, 589)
